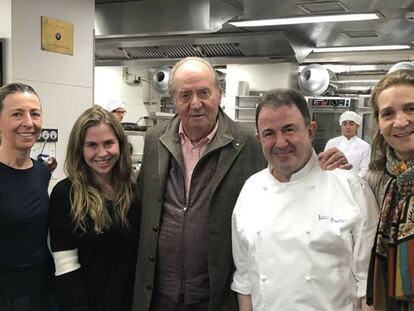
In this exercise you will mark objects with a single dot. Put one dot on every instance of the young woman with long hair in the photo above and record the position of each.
(94, 218)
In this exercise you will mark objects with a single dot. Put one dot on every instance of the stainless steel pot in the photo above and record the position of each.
(315, 79)
(160, 80)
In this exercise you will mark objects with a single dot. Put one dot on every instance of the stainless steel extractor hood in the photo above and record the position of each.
(159, 32)
(220, 48)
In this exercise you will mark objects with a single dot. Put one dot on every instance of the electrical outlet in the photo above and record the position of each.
(49, 135)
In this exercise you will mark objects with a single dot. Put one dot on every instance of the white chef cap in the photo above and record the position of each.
(114, 104)
(350, 116)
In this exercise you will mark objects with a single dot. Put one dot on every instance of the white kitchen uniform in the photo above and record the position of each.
(356, 150)
(305, 244)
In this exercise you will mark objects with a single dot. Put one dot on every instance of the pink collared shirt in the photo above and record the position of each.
(192, 153)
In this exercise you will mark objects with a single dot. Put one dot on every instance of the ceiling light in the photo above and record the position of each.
(361, 48)
(307, 19)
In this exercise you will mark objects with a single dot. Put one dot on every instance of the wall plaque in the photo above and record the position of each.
(57, 36)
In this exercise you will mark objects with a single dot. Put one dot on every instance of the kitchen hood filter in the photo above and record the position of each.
(160, 80)
(316, 80)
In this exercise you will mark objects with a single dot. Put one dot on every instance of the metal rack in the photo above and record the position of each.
(245, 108)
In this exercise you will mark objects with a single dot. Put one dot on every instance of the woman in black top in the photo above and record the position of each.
(94, 218)
(25, 262)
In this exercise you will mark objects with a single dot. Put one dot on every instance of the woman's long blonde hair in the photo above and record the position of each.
(87, 199)
(378, 143)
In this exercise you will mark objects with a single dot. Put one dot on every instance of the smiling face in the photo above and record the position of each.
(349, 128)
(101, 151)
(196, 99)
(286, 139)
(396, 119)
(20, 121)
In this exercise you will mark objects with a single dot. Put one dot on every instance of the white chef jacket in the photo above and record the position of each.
(305, 244)
(356, 150)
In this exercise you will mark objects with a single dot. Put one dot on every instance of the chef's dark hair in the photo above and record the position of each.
(284, 97)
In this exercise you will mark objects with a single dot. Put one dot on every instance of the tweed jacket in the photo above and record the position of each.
(240, 156)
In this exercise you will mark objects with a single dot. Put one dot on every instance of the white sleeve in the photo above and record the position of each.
(66, 261)
(364, 234)
(366, 157)
(329, 144)
(240, 247)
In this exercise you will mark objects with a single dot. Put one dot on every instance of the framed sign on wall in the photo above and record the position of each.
(57, 36)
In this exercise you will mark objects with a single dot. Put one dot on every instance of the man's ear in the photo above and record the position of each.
(313, 126)
(257, 136)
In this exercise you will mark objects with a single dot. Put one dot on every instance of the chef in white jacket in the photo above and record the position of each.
(302, 236)
(356, 150)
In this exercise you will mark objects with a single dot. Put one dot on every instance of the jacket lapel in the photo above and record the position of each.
(168, 145)
(230, 147)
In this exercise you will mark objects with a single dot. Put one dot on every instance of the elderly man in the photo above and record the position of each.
(192, 171)
(191, 174)
(356, 150)
(302, 236)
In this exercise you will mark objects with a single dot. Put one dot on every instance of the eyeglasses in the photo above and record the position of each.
(119, 111)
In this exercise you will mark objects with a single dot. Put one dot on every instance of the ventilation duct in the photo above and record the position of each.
(316, 80)
(160, 80)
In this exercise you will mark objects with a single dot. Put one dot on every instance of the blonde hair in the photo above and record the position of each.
(87, 200)
(378, 143)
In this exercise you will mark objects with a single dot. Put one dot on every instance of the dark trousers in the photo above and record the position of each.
(27, 303)
(162, 303)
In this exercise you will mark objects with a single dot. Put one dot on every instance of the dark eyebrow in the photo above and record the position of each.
(289, 125)
(408, 104)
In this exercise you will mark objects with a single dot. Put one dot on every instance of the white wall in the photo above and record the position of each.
(260, 77)
(64, 83)
(109, 84)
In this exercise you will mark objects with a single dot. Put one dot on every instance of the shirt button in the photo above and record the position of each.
(155, 228)
(148, 286)
(151, 258)
(308, 232)
(308, 279)
(263, 279)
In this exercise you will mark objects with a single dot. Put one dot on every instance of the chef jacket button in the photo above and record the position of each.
(263, 279)
(308, 279)
(308, 232)
(148, 286)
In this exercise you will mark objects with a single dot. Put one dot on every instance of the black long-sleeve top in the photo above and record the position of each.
(105, 279)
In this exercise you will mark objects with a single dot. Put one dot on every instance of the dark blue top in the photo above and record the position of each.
(24, 207)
